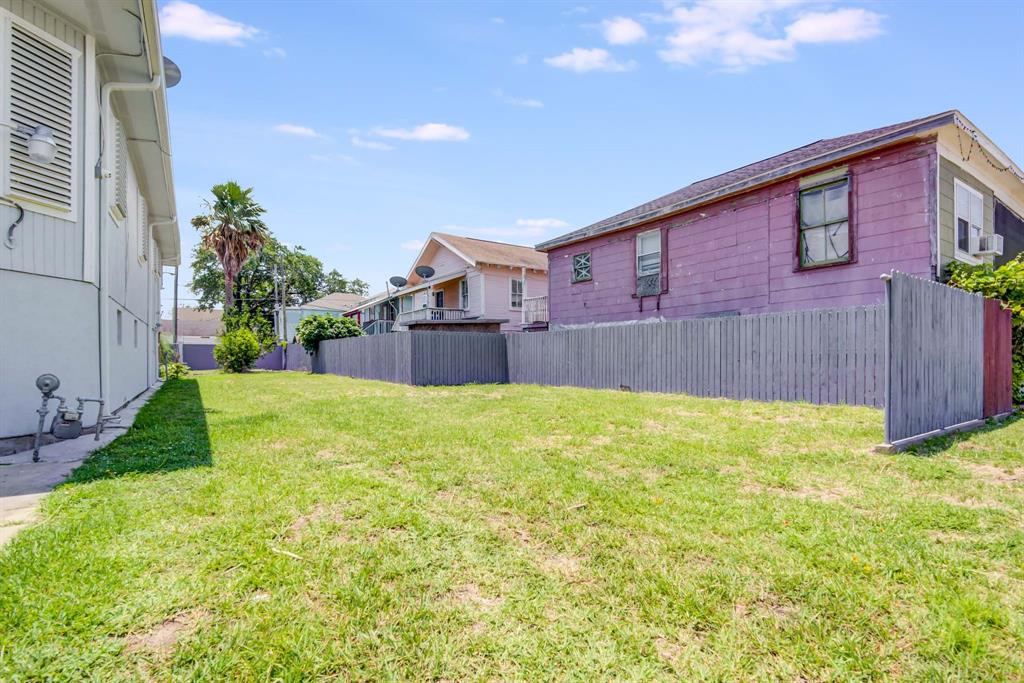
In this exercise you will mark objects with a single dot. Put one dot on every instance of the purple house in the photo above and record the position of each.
(812, 227)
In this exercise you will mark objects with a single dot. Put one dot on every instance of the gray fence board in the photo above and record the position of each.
(814, 356)
(935, 375)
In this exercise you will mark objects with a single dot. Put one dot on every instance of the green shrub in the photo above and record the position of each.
(237, 351)
(261, 328)
(174, 370)
(316, 328)
(1005, 283)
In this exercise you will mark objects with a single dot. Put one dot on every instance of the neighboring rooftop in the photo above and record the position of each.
(493, 253)
(193, 322)
(336, 301)
(751, 175)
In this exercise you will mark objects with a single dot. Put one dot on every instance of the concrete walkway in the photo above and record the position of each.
(23, 483)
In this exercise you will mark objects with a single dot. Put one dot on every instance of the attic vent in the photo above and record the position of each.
(143, 230)
(41, 93)
(120, 172)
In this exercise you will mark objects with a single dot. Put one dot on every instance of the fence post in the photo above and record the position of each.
(887, 350)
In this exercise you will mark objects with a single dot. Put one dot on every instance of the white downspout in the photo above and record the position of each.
(106, 114)
(522, 311)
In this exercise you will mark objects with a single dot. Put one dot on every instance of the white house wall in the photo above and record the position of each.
(49, 295)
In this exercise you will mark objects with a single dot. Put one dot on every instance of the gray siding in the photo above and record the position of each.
(821, 356)
(936, 357)
(947, 231)
(47, 245)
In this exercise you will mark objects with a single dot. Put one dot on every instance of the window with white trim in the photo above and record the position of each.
(464, 294)
(969, 213)
(120, 147)
(648, 253)
(581, 267)
(143, 230)
(39, 76)
(516, 290)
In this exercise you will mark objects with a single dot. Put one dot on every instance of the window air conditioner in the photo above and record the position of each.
(989, 245)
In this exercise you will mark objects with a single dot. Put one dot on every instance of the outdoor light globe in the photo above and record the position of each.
(42, 148)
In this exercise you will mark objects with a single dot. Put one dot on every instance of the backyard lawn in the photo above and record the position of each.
(283, 526)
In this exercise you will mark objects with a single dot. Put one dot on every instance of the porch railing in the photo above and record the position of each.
(432, 314)
(535, 309)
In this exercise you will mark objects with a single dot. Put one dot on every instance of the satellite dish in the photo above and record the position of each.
(398, 281)
(425, 272)
(172, 74)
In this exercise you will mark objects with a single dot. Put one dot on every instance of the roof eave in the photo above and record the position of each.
(768, 177)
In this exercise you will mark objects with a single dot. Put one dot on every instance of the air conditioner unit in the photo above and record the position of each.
(989, 245)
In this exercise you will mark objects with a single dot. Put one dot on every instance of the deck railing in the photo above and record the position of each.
(535, 309)
(432, 314)
(378, 327)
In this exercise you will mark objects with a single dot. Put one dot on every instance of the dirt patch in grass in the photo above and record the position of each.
(765, 606)
(995, 475)
(972, 503)
(548, 561)
(831, 494)
(470, 594)
(162, 638)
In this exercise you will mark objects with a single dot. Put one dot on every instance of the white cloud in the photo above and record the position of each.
(428, 132)
(738, 35)
(498, 20)
(370, 144)
(300, 131)
(582, 60)
(525, 229)
(840, 26)
(334, 158)
(186, 20)
(275, 53)
(412, 245)
(623, 31)
(517, 101)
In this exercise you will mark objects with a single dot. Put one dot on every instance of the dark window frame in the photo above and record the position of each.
(851, 223)
(590, 267)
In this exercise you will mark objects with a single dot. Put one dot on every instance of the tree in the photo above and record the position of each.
(317, 328)
(336, 282)
(232, 229)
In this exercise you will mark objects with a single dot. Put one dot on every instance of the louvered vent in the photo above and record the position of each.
(143, 229)
(42, 93)
(120, 170)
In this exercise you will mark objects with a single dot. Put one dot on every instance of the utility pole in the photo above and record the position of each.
(278, 310)
(174, 315)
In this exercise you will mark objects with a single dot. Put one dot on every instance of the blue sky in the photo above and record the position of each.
(365, 126)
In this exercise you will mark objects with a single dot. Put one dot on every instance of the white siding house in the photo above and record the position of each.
(80, 271)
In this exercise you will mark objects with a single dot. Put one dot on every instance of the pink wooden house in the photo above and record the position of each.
(812, 227)
(473, 284)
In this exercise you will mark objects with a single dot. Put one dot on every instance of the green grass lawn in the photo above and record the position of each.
(280, 526)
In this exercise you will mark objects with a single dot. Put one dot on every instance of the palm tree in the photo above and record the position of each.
(233, 230)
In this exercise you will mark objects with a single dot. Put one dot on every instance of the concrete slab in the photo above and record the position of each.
(23, 483)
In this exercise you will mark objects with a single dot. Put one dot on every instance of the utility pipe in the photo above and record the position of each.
(106, 116)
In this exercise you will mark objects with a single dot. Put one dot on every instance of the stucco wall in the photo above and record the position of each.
(738, 255)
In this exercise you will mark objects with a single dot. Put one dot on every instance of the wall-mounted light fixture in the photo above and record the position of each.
(42, 148)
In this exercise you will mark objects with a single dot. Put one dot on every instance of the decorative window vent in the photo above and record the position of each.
(989, 245)
(143, 230)
(41, 92)
(120, 206)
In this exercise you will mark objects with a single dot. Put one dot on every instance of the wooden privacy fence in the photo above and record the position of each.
(948, 357)
(419, 358)
(819, 356)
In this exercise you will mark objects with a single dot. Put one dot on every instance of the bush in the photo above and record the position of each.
(237, 351)
(1005, 283)
(316, 328)
(174, 370)
(261, 328)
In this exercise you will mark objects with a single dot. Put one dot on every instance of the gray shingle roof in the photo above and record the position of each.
(748, 176)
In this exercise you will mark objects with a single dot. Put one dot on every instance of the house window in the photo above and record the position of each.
(824, 224)
(38, 87)
(439, 299)
(581, 267)
(517, 293)
(406, 303)
(464, 294)
(648, 253)
(969, 208)
(119, 328)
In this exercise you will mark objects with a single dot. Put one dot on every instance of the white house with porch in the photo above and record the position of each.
(467, 279)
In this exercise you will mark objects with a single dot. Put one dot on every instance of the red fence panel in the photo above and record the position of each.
(998, 359)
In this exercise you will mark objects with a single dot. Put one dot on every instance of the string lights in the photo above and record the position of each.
(973, 136)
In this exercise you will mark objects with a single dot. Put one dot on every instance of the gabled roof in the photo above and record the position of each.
(757, 173)
(476, 251)
(336, 301)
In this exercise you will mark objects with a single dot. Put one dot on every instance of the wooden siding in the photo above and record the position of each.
(948, 171)
(818, 356)
(998, 359)
(738, 255)
(46, 245)
(935, 348)
(1011, 227)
